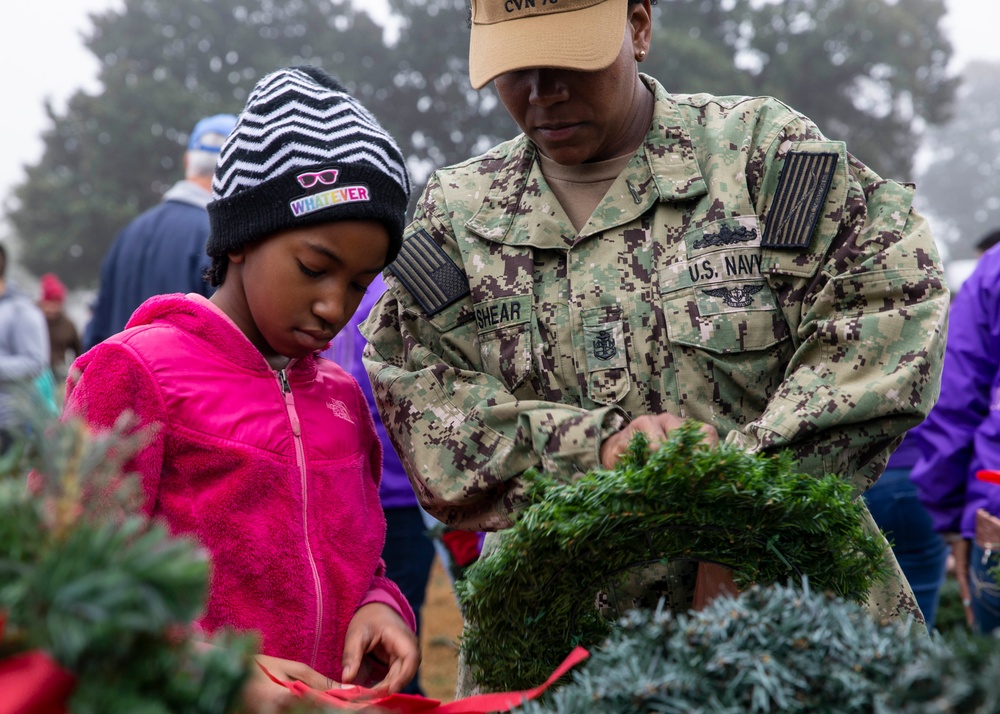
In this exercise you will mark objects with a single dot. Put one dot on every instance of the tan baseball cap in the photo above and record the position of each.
(509, 35)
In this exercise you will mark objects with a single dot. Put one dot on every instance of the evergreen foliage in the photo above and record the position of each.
(950, 613)
(775, 649)
(106, 593)
(780, 649)
(958, 676)
(532, 599)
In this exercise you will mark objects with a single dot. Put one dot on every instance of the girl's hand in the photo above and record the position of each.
(262, 696)
(377, 636)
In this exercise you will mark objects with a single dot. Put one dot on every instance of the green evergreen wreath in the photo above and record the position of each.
(532, 599)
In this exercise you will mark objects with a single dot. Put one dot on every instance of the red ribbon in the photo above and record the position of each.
(463, 546)
(355, 698)
(988, 475)
(32, 683)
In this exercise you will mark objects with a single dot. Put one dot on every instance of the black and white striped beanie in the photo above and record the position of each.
(304, 152)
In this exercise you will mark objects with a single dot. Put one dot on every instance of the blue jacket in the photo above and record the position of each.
(161, 251)
(962, 432)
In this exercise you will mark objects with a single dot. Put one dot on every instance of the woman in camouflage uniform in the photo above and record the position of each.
(636, 258)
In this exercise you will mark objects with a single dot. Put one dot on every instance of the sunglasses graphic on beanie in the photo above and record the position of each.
(327, 177)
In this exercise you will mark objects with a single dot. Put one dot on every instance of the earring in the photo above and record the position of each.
(641, 56)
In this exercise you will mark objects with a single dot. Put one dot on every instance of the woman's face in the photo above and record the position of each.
(293, 291)
(576, 117)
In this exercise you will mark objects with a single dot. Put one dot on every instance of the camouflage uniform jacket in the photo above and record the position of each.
(509, 340)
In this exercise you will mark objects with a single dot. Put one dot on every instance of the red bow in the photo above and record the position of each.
(355, 698)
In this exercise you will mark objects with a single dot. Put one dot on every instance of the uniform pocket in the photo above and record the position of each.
(608, 379)
(717, 298)
(729, 358)
(725, 317)
(506, 354)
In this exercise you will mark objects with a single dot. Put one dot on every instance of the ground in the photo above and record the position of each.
(441, 625)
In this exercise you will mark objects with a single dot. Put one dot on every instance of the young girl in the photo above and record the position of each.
(265, 452)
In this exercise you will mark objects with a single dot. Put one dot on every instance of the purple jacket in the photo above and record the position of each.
(962, 432)
(346, 348)
(905, 455)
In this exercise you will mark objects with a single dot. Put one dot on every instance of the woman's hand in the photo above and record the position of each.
(378, 638)
(656, 427)
(263, 696)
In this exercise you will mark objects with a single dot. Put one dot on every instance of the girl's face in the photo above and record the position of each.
(574, 117)
(292, 292)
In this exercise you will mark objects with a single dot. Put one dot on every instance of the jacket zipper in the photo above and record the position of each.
(300, 457)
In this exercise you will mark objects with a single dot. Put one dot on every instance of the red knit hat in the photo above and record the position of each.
(52, 288)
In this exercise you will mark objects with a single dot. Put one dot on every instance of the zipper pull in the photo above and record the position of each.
(283, 381)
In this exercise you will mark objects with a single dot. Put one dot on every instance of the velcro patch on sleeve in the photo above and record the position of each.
(805, 181)
(429, 274)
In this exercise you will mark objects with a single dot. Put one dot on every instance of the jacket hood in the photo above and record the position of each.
(197, 316)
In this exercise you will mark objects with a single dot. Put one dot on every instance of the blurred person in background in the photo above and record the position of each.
(63, 335)
(961, 436)
(24, 352)
(163, 249)
(986, 242)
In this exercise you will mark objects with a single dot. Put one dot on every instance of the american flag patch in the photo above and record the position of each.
(429, 274)
(805, 181)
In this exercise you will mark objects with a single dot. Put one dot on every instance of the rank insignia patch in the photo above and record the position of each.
(802, 189)
(604, 345)
(429, 274)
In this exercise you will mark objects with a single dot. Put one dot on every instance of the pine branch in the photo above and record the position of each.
(110, 596)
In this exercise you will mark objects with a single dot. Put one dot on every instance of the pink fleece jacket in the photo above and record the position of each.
(280, 486)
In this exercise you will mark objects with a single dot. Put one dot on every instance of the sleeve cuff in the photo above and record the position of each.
(384, 591)
(610, 420)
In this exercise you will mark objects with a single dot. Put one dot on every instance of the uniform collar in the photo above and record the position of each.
(663, 168)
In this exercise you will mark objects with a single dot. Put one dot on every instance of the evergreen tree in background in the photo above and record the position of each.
(960, 186)
(870, 72)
